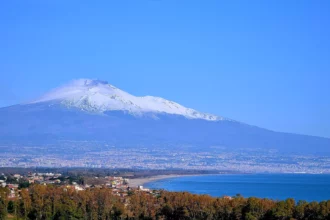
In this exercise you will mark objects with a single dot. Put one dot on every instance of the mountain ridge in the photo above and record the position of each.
(50, 118)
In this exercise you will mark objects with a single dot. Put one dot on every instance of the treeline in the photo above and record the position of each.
(49, 202)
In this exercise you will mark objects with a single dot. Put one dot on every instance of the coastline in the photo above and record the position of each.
(141, 181)
(144, 180)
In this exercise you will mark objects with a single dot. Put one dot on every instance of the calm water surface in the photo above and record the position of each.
(308, 187)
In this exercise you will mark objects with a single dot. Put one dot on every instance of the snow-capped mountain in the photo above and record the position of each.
(93, 110)
(99, 96)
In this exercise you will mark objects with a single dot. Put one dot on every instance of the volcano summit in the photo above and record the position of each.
(99, 96)
(93, 110)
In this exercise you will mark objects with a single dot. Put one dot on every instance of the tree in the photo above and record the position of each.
(3, 203)
(284, 209)
(299, 212)
(25, 204)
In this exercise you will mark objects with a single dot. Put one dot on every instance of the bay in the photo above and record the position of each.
(309, 187)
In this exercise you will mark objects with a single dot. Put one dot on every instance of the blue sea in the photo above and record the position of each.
(307, 187)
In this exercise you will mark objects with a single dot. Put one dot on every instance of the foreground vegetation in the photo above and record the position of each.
(53, 202)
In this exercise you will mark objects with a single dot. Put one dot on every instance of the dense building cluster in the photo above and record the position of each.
(103, 155)
(14, 183)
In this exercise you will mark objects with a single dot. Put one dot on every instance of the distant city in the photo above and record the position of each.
(105, 155)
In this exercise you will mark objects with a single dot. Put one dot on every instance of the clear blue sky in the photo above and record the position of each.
(266, 63)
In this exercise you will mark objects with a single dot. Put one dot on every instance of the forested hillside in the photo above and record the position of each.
(50, 202)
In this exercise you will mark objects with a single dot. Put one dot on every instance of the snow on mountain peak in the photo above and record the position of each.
(99, 96)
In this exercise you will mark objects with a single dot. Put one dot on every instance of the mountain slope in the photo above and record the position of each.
(86, 110)
(99, 96)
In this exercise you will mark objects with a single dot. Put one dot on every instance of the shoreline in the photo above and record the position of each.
(144, 180)
(141, 181)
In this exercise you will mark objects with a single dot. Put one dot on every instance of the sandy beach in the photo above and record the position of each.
(141, 181)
